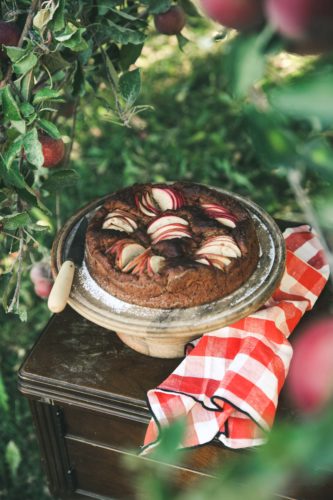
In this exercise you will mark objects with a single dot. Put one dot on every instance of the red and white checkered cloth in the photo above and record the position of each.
(227, 386)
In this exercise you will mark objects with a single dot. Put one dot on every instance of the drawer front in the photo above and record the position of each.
(111, 430)
(101, 471)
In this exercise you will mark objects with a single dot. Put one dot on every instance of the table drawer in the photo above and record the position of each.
(111, 430)
(101, 470)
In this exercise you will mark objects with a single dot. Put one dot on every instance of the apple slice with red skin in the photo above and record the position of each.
(223, 250)
(170, 227)
(167, 198)
(203, 261)
(222, 242)
(169, 235)
(217, 260)
(118, 245)
(141, 264)
(125, 215)
(138, 264)
(226, 222)
(118, 224)
(220, 213)
(146, 205)
(165, 220)
(155, 263)
(128, 253)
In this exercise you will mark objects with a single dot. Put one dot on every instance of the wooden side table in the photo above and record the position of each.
(87, 393)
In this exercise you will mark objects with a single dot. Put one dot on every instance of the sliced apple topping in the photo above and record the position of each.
(217, 251)
(159, 200)
(146, 204)
(155, 264)
(220, 213)
(165, 220)
(120, 220)
(126, 251)
(168, 227)
(168, 198)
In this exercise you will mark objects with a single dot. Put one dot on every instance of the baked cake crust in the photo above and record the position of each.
(171, 245)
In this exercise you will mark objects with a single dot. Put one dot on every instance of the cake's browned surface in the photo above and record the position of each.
(180, 281)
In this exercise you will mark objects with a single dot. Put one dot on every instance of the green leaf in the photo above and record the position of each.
(19, 125)
(42, 18)
(27, 82)
(23, 313)
(130, 85)
(24, 65)
(46, 94)
(318, 155)
(15, 53)
(309, 97)
(13, 151)
(124, 36)
(129, 54)
(15, 221)
(3, 395)
(11, 176)
(33, 148)
(58, 21)
(49, 127)
(182, 41)
(72, 38)
(60, 180)
(78, 81)
(67, 33)
(245, 63)
(10, 108)
(13, 458)
(169, 441)
(271, 138)
(27, 109)
(54, 62)
(189, 8)
(159, 6)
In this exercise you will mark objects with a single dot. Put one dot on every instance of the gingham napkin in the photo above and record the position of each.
(227, 386)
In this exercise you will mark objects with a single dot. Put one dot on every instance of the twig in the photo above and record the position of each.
(26, 28)
(15, 300)
(295, 177)
(72, 136)
(57, 210)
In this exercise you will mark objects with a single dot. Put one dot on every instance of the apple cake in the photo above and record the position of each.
(171, 245)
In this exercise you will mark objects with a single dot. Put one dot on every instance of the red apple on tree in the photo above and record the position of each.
(310, 379)
(53, 150)
(170, 22)
(307, 22)
(238, 14)
(9, 35)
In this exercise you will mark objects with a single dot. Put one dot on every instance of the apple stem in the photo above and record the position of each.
(295, 178)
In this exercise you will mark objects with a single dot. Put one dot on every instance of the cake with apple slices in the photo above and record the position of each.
(171, 245)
